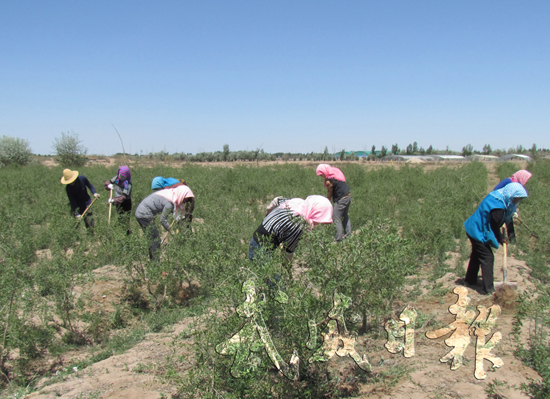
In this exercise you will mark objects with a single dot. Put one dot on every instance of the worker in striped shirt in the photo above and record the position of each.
(285, 222)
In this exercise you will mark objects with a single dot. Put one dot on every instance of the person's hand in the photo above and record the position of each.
(96, 195)
(110, 186)
(110, 201)
(515, 215)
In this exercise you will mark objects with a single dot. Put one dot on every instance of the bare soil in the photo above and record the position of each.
(136, 373)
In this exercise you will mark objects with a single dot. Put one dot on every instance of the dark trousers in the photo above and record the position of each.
(153, 235)
(124, 210)
(482, 256)
(88, 219)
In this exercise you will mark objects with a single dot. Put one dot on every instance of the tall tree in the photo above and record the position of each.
(225, 152)
(467, 150)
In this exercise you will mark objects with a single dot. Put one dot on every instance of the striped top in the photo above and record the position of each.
(280, 226)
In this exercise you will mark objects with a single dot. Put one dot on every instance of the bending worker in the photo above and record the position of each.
(179, 201)
(78, 195)
(483, 230)
(337, 191)
(285, 223)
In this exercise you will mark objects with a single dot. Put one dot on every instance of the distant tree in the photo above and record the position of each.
(415, 147)
(225, 152)
(430, 150)
(533, 151)
(487, 149)
(342, 154)
(69, 150)
(373, 150)
(14, 151)
(422, 151)
(326, 155)
(519, 149)
(467, 150)
(383, 152)
(409, 150)
(395, 149)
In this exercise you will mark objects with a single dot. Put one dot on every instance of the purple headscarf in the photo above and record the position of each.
(124, 177)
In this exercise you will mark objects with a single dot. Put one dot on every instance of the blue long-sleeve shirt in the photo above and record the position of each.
(78, 195)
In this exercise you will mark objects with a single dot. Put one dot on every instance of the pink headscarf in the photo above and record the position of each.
(176, 195)
(521, 176)
(315, 209)
(330, 173)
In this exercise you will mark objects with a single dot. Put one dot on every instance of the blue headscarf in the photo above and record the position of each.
(509, 192)
(160, 182)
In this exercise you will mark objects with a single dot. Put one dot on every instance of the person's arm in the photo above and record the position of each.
(511, 231)
(273, 204)
(330, 189)
(168, 208)
(124, 195)
(497, 217)
(91, 187)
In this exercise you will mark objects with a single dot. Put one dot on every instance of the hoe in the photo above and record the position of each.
(502, 285)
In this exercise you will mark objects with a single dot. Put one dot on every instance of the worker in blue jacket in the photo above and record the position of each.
(483, 230)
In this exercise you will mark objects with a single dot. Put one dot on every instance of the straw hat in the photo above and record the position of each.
(69, 176)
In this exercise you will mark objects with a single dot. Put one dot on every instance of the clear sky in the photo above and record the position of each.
(289, 76)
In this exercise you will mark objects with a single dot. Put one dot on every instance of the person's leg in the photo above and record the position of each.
(337, 219)
(88, 219)
(487, 260)
(152, 234)
(473, 265)
(124, 210)
(253, 249)
(345, 221)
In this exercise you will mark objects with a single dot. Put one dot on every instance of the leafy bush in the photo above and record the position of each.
(534, 310)
(14, 151)
(69, 150)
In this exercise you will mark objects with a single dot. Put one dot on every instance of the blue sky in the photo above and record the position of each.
(289, 76)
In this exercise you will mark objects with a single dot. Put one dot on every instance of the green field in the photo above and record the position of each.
(406, 220)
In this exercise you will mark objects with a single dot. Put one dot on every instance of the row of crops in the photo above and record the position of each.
(404, 220)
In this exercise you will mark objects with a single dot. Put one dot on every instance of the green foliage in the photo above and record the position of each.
(403, 219)
(534, 310)
(69, 150)
(14, 151)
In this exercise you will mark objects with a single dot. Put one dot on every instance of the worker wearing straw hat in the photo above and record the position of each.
(79, 198)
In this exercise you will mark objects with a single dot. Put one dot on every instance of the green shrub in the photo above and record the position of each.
(69, 150)
(14, 151)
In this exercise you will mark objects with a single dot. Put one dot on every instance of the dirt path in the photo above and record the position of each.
(130, 375)
(134, 374)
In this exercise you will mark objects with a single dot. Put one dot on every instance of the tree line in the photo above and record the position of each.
(70, 151)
